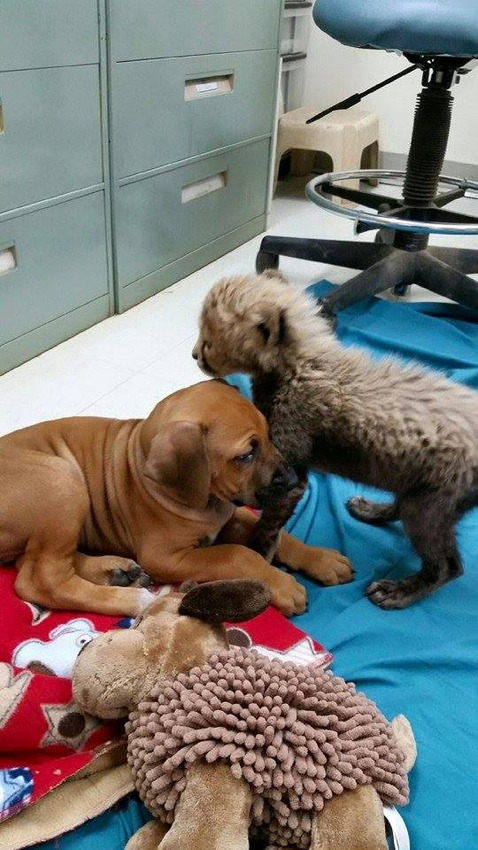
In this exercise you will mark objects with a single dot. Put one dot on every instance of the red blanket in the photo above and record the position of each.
(44, 737)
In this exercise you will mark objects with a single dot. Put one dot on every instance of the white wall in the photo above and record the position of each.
(334, 71)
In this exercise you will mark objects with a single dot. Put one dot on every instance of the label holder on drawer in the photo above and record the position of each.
(8, 259)
(208, 85)
(206, 186)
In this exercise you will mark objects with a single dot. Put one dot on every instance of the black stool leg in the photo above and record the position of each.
(462, 259)
(398, 269)
(335, 252)
(440, 278)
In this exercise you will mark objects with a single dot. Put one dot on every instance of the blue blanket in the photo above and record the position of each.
(422, 661)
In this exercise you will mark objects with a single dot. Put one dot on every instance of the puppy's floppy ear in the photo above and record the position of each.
(178, 462)
(231, 601)
(270, 321)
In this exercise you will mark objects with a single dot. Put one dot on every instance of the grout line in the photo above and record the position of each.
(111, 390)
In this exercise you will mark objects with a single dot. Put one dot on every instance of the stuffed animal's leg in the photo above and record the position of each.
(148, 837)
(352, 821)
(213, 811)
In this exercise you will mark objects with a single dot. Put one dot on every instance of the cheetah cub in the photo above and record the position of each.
(334, 409)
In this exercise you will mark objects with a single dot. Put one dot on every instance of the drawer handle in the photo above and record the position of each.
(212, 85)
(8, 259)
(2, 123)
(193, 191)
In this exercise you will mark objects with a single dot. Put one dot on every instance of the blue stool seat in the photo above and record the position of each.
(447, 27)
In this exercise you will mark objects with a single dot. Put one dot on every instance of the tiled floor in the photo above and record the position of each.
(124, 365)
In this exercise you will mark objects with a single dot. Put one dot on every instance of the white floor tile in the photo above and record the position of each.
(126, 364)
(57, 387)
(177, 368)
(133, 399)
(138, 337)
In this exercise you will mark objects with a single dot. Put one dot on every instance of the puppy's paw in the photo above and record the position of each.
(287, 594)
(328, 566)
(129, 574)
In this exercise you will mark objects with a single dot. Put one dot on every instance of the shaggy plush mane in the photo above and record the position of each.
(297, 735)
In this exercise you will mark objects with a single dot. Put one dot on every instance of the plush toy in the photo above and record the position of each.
(227, 745)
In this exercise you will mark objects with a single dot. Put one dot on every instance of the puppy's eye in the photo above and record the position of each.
(247, 457)
(244, 458)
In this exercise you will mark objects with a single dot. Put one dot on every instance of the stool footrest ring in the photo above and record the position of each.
(316, 193)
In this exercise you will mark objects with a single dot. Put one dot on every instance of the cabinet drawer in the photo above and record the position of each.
(51, 140)
(60, 257)
(146, 29)
(162, 218)
(171, 109)
(44, 33)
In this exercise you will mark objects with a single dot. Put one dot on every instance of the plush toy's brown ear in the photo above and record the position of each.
(232, 601)
(178, 462)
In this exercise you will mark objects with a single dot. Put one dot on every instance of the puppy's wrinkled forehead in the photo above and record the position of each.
(219, 408)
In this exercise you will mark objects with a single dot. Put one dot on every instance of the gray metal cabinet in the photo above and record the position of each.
(172, 109)
(51, 139)
(48, 33)
(192, 104)
(60, 254)
(55, 247)
(164, 217)
(135, 146)
(144, 29)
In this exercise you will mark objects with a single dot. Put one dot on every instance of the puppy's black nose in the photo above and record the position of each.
(194, 354)
(285, 478)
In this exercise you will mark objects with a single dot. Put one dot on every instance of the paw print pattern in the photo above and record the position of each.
(12, 689)
(57, 655)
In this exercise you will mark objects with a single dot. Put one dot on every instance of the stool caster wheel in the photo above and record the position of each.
(401, 291)
(266, 261)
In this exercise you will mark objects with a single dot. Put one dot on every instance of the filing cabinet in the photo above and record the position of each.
(135, 146)
(55, 250)
(193, 95)
(175, 212)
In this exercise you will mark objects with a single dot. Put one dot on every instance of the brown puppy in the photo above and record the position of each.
(156, 491)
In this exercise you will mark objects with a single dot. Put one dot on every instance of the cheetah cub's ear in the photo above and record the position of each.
(270, 321)
(275, 274)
